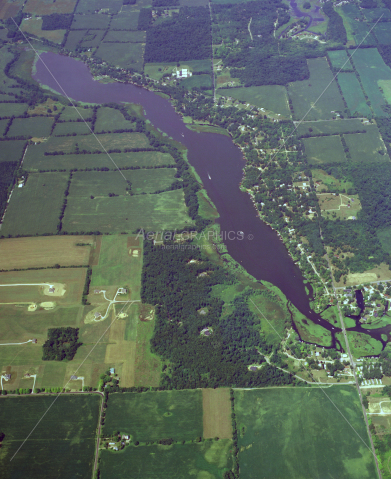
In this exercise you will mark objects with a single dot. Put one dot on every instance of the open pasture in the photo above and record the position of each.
(124, 55)
(341, 206)
(152, 416)
(305, 93)
(12, 150)
(35, 208)
(197, 81)
(125, 36)
(125, 21)
(70, 113)
(339, 60)
(35, 160)
(314, 128)
(371, 68)
(74, 38)
(298, 432)
(104, 6)
(324, 149)
(12, 109)
(86, 21)
(382, 32)
(271, 97)
(110, 119)
(127, 213)
(216, 406)
(34, 26)
(353, 94)
(47, 7)
(367, 147)
(72, 127)
(3, 126)
(21, 253)
(208, 460)
(38, 127)
(61, 446)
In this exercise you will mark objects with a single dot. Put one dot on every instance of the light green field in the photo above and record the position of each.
(332, 316)
(324, 149)
(78, 127)
(35, 208)
(197, 81)
(382, 33)
(110, 119)
(116, 266)
(361, 344)
(314, 128)
(36, 127)
(125, 36)
(157, 70)
(304, 94)
(71, 113)
(371, 68)
(35, 160)
(62, 446)
(124, 55)
(12, 150)
(270, 97)
(367, 147)
(353, 94)
(208, 460)
(301, 433)
(125, 20)
(127, 213)
(86, 21)
(12, 109)
(152, 416)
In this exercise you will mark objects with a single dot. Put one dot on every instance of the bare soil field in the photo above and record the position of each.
(217, 413)
(38, 252)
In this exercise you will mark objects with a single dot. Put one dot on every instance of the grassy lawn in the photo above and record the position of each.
(61, 446)
(299, 433)
(341, 206)
(324, 149)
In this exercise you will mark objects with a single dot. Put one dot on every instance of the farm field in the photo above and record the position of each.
(353, 94)
(325, 149)
(45, 251)
(74, 38)
(197, 81)
(125, 36)
(382, 33)
(216, 406)
(12, 150)
(42, 7)
(207, 460)
(34, 26)
(88, 6)
(270, 97)
(298, 421)
(63, 445)
(125, 21)
(35, 208)
(339, 60)
(371, 68)
(367, 147)
(362, 345)
(124, 55)
(37, 127)
(305, 93)
(94, 21)
(70, 128)
(110, 119)
(36, 160)
(70, 113)
(12, 109)
(315, 128)
(128, 213)
(152, 416)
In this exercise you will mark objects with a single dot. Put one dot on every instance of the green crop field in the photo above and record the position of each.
(305, 93)
(36, 160)
(372, 69)
(152, 416)
(207, 460)
(36, 127)
(361, 344)
(367, 147)
(125, 21)
(70, 113)
(339, 60)
(12, 150)
(356, 30)
(373, 14)
(382, 33)
(125, 36)
(270, 97)
(92, 38)
(314, 128)
(299, 433)
(86, 21)
(61, 446)
(12, 109)
(124, 55)
(353, 94)
(74, 38)
(127, 213)
(110, 119)
(324, 149)
(35, 208)
(117, 266)
(90, 6)
(3, 125)
(197, 81)
(71, 127)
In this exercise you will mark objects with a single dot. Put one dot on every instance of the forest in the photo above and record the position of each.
(181, 289)
(56, 21)
(185, 36)
(335, 28)
(144, 19)
(62, 343)
(7, 170)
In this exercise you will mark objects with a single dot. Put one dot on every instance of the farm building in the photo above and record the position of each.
(112, 371)
(122, 291)
(184, 73)
(97, 315)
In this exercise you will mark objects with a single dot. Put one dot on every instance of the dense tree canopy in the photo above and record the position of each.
(62, 343)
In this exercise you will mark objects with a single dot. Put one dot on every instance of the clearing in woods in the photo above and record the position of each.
(216, 406)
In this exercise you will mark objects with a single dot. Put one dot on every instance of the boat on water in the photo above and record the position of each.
(209, 176)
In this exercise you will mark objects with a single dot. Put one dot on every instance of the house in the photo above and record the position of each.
(97, 315)
(96, 291)
(122, 291)
(115, 448)
(73, 377)
(125, 437)
(111, 443)
(52, 289)
(7, 377)
(34, 341)
(112, 371)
